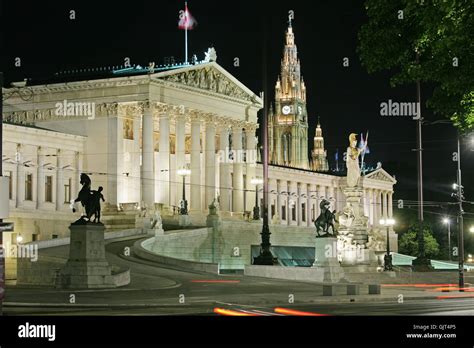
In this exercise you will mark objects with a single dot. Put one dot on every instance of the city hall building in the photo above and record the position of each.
(132, 130)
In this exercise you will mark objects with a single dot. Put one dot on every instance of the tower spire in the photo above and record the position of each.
(319, 160)
(290, 128)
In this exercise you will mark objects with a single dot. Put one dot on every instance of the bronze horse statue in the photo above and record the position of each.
(325, 220)
(90, 200)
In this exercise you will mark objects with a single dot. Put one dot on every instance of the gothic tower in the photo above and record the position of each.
(319, 160)
(288, 121)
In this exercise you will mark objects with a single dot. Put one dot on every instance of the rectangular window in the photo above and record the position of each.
(293, 213)
(261, 208)
(34, 237)
(313, 212)
(273, 210)
(28, 187)
(283, 213)
(48, 193)
(67, 191)
(303, 212)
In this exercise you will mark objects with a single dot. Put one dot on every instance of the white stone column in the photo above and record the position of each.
(196, 163)
(237, 177)
(308, 205)
(370, 205)
(20, 177)
(180, 134)
(164, 159)
(148, 158)
(59, 180)
(278, 199)
(298, 202)
(250, 155)
(378, 206)
(390, 205)
(331, 197)
(322, 194)
(312, 193)
(76, 176)
(40, 182)
(224, 173)
(210, 172)
(384, 205)
(114, 141)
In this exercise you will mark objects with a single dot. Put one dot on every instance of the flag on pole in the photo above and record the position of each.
(186, 20)
(363, 145)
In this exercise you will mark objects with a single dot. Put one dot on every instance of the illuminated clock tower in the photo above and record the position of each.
(288, 122)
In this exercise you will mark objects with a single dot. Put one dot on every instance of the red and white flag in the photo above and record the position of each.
(186, 20)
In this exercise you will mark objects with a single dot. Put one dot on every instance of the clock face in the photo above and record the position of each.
(286, 109)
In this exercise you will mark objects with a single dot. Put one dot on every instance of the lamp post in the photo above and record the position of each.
(388, 266)
(447, 222)
(183, 210)
(256, 209)
(265, 257)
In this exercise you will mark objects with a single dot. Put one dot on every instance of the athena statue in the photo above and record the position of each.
(352, 161)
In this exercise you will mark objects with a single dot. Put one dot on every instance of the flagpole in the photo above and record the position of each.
(186, 32)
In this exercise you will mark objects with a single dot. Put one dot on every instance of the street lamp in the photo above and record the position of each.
(446, 221)
(183, 210)
(256, 209)
(471, 229)
(388, 266)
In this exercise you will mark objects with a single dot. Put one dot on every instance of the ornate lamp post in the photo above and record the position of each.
(266, 256)
(256, 209)
(183, 210)
(388, 266)
(447, 222)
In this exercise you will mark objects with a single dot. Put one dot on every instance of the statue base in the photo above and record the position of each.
(326, 258)
(184, 220)
(87, 267)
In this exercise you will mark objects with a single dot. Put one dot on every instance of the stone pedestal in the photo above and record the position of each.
(358, 228)
(184, 220)
(87, 267)
(326, 259)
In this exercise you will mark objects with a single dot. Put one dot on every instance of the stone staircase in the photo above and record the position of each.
(116, 221)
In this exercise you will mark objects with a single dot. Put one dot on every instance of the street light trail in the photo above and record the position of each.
(298, 313)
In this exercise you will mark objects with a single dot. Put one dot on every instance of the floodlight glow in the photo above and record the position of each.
(183, 172)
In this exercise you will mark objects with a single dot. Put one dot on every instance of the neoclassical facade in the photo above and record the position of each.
(144, 129)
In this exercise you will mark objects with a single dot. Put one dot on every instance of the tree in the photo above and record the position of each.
(408, 242)
(429, 41)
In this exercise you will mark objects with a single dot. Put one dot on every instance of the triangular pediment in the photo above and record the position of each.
(381, 175)
(209, 77)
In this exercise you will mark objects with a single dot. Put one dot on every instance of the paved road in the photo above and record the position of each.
(163, 290)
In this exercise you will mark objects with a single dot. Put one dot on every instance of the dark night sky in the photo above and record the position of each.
(346, 99)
